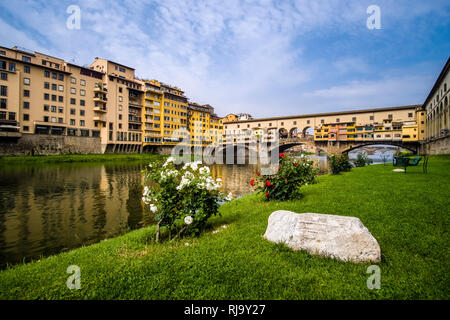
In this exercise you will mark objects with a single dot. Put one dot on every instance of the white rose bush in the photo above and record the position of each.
(182, 199)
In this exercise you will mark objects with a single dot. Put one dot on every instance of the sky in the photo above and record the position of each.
(267, 58)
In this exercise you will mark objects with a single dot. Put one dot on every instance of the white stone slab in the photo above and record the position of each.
(340, 237)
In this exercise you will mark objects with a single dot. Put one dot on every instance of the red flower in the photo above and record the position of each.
(252, 182)
(295, 164)
(258, 173)
(267, 194)
(281, 155)
(268, 183)
(339, 160)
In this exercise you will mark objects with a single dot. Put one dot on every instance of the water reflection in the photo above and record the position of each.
(52, 208)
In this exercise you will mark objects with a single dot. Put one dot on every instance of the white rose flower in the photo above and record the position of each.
(229, 197)
(153, 208)
(188, 220)
(194, 166)
(169, 160)
(204, 170)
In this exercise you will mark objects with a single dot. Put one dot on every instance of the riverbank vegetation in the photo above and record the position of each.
(407, 213)
(80, 158)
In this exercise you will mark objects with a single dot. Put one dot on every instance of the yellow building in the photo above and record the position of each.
(205, 127)
(165, 111)
(230, 118)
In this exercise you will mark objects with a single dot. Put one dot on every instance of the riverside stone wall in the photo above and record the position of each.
(439, 146)
(37, 144)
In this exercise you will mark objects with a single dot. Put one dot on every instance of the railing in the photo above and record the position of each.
(134, 119)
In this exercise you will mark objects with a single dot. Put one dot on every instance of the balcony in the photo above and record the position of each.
(100, 89)
(101, 118)
(134, 119)
(100, 99)
(100, 109)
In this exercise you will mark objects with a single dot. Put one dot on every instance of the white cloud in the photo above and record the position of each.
(235, 55)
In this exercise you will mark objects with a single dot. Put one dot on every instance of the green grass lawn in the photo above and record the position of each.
(78, 158)
(407, 213)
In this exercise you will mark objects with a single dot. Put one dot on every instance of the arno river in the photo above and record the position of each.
(46, 209)
(50, 208)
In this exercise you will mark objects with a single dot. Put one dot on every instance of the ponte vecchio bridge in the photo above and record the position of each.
(336, 132)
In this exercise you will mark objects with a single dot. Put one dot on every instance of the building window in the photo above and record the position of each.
(73, 101)
(82, 113)
(60, 120)
(371, 118)
(26, 59)
(26, 93)
(44, 63)
(46, 85)
(72, 111)
(338, 120)
(54, 75)
(354, 119)
(73, 91)
(82, 103)
(410, 115)
(72, 122)
(120, 89)
(26, 128)
(60, 87)
(61, 77)
(73, 80)
(12, 67)
(82, 92)
(26, 105)
(53, 97)
(26, 69)
(4, 76)
(3, 103)
(390, 116)
(81, 123)
(53, 108)
(120, 98)
(83, 82)
(26, 117)
(46, 107)
(120, 117)
(3, 91)
(60, 98)
(47, 74)
(45, 118)
(60, 109)
(53, 119)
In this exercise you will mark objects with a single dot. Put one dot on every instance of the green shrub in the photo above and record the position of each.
(403, 153)
(286, 178)
(339, 163)
(182, 199)
(362, 160)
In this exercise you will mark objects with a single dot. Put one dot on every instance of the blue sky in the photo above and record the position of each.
(267, 58)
